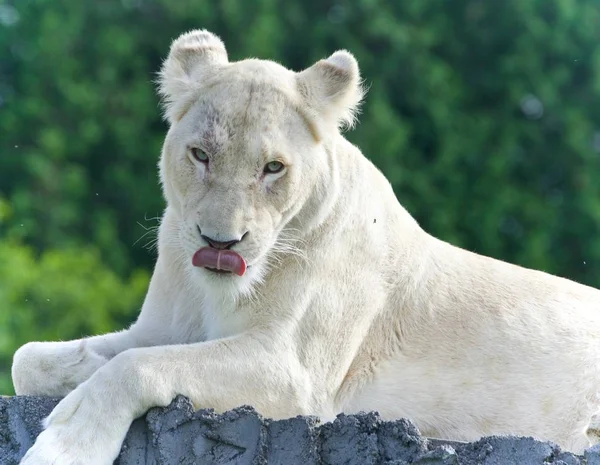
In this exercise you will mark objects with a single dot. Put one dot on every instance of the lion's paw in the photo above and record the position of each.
(53, 447)
(74, 436)
(53, 368)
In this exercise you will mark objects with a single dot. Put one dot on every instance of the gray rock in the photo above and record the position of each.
(400, 440)
(20, 423)
(293, 441)
(441, 455)
(592, 455)
(178, 435)
(496, 450)
(351, 440)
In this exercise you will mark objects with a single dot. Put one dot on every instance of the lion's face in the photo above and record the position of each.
(244, 155)
(237, 166)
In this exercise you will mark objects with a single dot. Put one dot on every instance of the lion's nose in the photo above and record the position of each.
(219, 244)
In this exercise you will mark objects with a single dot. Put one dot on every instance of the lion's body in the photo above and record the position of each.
(347, 304)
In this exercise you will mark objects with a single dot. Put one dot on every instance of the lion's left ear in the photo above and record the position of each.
(332, 88)
(192, 55)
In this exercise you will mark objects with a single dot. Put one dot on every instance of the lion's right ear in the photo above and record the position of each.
(191, 55)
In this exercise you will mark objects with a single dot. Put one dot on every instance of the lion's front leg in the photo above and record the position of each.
(89, 425)
(56, 368)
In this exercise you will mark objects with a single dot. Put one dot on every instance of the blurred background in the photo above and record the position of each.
(484, 115)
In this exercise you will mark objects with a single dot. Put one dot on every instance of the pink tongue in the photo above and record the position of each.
(223, 260)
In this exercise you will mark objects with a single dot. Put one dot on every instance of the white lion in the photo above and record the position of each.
(290, 278)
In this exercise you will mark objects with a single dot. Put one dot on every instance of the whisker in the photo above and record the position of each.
(150, 230)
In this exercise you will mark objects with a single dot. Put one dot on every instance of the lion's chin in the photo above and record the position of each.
(221, 272)
(218, 285)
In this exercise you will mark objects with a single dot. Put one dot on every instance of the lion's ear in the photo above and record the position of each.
(332, 88)
(191, 55)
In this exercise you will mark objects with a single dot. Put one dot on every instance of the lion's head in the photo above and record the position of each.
(247, 161)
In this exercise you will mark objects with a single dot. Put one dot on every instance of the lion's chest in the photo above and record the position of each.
(206, 318)
(223, 318)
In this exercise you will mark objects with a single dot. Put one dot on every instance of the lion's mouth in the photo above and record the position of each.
(219, 261)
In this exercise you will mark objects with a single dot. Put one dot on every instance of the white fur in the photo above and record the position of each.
(347, 305)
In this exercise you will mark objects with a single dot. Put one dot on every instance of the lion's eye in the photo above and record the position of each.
(199, 155)
(274, 167)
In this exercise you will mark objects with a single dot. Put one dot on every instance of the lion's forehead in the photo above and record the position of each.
(244, 109)
(250, 89)
(247, 103)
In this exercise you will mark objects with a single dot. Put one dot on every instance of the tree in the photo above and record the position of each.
(483, 115)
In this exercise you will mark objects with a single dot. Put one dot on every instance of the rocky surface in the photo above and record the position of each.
(178, 435)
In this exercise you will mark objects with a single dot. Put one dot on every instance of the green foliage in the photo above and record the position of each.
(485, 116)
